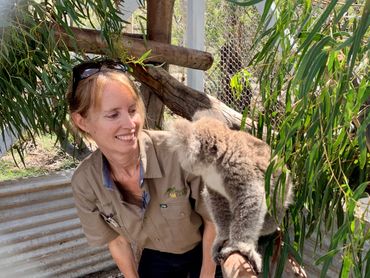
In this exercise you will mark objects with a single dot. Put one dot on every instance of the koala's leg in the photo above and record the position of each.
(219, 207)
(282, 201)
(248, 206)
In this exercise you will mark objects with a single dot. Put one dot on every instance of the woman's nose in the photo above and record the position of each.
(128, 121)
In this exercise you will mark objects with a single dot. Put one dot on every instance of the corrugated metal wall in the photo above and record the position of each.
(310, 255)
(41, 236)
(40, 233)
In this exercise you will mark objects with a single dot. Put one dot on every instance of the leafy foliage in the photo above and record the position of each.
(315, 59)
(35, 64)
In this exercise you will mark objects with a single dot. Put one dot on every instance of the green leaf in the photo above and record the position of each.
(266, 258)
(328, 256)
(346, 266)
(367, 269)
(360, 190)
(318, 24)
(283, 257)
(268, 176)
(143, 57)
(359, 33)
(342, 11)
(243, 124)
(245, 2)
(362, 141)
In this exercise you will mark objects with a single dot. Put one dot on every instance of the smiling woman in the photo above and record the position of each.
(122, 190)
(114, 121)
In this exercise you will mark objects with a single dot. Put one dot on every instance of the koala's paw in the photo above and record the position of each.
(216, 249)
(248, 250)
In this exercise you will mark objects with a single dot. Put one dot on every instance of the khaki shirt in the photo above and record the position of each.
(172, 211)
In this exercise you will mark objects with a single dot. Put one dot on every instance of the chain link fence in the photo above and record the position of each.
(230, 42)
(229, 34)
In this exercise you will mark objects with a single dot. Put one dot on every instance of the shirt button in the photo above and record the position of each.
(157, 239)
(182, 214)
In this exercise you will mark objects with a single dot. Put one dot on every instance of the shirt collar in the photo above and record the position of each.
(107, 179)
(149, 165)
(148, 156)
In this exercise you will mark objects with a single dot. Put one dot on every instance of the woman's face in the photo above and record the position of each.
(115, 122)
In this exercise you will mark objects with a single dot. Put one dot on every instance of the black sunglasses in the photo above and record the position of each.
(87, 69)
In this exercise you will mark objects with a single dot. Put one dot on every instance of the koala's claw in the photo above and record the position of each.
(246, 250)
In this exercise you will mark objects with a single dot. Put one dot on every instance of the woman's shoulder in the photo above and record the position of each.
(90, 164)
(156, 143)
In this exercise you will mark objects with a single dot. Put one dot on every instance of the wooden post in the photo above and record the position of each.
(159, 23)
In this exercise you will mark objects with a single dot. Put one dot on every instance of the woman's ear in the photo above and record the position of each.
(79, 121)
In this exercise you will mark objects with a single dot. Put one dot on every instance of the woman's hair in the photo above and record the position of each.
(89, 91)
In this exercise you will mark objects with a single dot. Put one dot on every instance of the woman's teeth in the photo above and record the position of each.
(125, 137)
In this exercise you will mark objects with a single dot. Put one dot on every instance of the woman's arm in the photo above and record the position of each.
(122, 254)
(208, 265)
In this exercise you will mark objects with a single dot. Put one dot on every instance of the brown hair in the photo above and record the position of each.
(89, 91)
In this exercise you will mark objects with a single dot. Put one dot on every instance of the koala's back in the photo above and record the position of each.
(254, 150)
(239, 152)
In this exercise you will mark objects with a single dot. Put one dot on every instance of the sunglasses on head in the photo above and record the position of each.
(87, 69)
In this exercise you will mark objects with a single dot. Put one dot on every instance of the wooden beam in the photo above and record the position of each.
(90, 41)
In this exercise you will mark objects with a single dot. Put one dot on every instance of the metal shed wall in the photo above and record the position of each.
(310, 255)
(41, 236)
(40, 233)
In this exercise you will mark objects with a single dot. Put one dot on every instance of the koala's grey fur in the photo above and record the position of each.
(232, 164)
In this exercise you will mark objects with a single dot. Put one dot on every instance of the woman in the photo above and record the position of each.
(132, 190)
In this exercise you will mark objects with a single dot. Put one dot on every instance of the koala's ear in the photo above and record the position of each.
(181, 131)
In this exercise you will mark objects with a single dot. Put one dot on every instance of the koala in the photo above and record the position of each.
(232, 165)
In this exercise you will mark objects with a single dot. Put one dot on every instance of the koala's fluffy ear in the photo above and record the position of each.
(181, 130)
(183, 139)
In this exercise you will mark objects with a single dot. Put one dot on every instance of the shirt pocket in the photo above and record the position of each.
(176, 210)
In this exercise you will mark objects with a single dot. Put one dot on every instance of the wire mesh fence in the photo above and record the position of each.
(230, 42)
(230, 31)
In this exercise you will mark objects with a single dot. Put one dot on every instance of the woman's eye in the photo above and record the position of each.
(112, 115)
(132, 111)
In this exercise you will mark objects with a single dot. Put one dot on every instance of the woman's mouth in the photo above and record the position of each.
(128, 137)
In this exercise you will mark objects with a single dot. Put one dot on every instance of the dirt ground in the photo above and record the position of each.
(41, 158)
